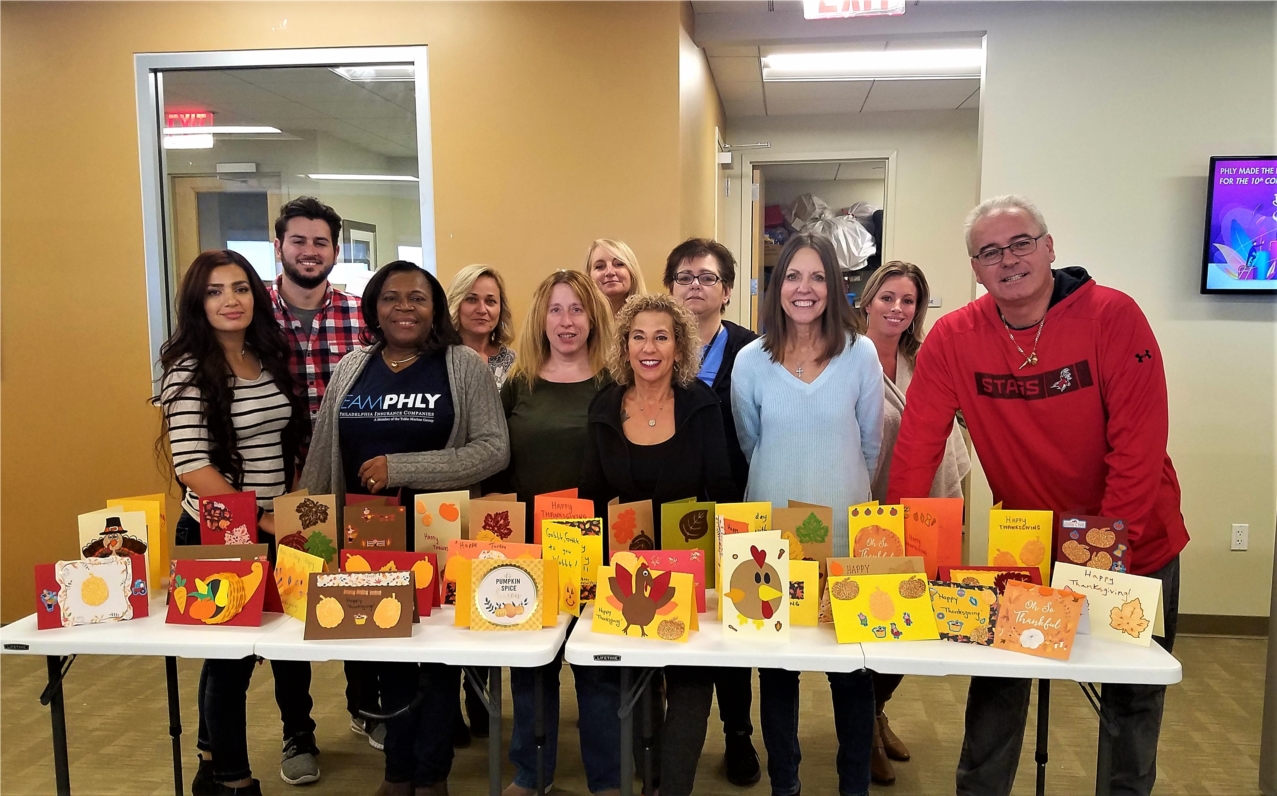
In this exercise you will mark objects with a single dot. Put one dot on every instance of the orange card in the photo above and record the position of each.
(1037, 620)
(564, 505)
(933, 530)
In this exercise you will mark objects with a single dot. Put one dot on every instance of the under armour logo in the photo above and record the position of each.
(1146, 355)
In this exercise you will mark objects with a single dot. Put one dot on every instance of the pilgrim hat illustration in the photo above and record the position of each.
(113, 540)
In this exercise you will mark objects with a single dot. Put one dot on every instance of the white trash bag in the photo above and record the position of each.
(852, 242)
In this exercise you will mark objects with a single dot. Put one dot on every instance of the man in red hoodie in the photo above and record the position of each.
(1061, 384)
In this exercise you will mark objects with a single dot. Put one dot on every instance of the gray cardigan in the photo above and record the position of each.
(478, 447)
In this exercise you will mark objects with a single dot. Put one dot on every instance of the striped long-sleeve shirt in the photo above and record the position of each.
(259, 413)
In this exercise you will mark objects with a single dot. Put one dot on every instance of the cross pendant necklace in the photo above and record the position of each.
(1030, 358)
(799, 371)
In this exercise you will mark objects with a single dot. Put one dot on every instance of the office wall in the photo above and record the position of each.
(553, 124)
(700, 117)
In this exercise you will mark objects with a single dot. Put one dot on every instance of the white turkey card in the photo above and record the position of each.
(755, 586)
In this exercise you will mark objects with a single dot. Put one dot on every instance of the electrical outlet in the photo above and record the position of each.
(1241, 536)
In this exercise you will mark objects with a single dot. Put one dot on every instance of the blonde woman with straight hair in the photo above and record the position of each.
(481, 314)
(614, 268)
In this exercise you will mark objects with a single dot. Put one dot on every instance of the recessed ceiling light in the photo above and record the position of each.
(385, 73)
(365, 177)
(874, 65)
(229, 130)
(188, 142)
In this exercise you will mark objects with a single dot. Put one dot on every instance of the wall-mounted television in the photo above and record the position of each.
(1241, 226)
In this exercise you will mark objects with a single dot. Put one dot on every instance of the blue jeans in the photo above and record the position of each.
(854, 716)
(419, 741)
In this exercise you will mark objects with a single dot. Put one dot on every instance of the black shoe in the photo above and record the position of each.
(460, 733)
(203, 784)
(255, 789)
(743, 768)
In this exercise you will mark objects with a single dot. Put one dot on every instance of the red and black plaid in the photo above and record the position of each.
(316, 351)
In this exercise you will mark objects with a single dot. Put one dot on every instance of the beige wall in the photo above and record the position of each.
(700, 116)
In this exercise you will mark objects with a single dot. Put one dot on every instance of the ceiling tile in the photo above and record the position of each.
(736, 108)
(973, 101)
(844, 96)
(738, 90)
(918, 95)
(735, 68)
(731, 50)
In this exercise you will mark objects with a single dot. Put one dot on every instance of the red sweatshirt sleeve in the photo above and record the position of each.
(1134, 387)
(930, 406)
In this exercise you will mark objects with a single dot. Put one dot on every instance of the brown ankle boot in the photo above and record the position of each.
(880, 770)
(891, 744)
(394, 789)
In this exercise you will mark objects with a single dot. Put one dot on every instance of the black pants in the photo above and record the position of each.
(363, 687)
(419, 740)
(998, 709)
(735, 687)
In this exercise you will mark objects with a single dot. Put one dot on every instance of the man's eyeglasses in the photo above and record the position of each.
(993, 254)
(707, 280)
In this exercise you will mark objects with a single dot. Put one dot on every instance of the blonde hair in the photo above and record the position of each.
(911, 339)
(533, 349)
(623, 253)
(687, 341)
(461, 286)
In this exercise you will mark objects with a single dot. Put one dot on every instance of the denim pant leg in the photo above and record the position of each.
(203, 741)
(997, 709)
(523, 744)
(224, 709)
(598, 701)
(292, 695)
(439, 712)
(735, 687)
(689, 691)
(1137, 709)
(778, 712)
(854, 715)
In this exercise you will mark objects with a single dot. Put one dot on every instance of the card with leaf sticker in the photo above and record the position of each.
(1038, 620)
(996, 577)
(553, 506)
(688, 525)
(876, 531)
(881, 608)
(1020, 539)
(438, 518)
(229, 519)
(691, 562)
(309, 524)
(293, 569)
(630, 526)
(755, 593)
(1121, 607)
(424, 568)
(496, 520)
(804, 593)
(1090, 541)
(809, 529)
(644, 603)
(370, 526)
(758, 515)
(466, 550)
(509, 595)
(346, 605)
(933, 530)
(227, 593)
(966, 614)
(158, 540)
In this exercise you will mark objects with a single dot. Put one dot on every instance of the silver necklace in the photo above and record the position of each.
(1030, 358)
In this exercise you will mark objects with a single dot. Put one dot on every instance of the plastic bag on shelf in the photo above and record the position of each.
(852, 242)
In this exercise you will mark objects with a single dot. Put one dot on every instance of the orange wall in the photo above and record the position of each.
(553, 124)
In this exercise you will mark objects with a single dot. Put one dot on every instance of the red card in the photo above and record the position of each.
(229, 519)
(564, 505)
(933, 530)
(271, 602)
(690, 561)
(47, 613)
(227, 593)
(1090, 541)
(425, 578)
(992, 576)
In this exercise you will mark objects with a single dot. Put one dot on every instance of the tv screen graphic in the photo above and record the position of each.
(1241, 226)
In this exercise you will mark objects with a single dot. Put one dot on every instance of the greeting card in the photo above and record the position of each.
(1122, 607)
(463, 586)
(724, 527)
(509, 595)
(372, 526)
(158, 542)
(90, 591)
(933, 530)
(688, 525)
(1096, 542)
(1037, 620)
(757, 515)
(229, 519)
(440, 517)
(591, 554)
(1020, 539)
(644, 602)
(112, 532)
(881, 608)
(564, 505)
(217, 593)
(876, 531)
(562, 545)
(630, 526)
(966, 614)
(809, 530)
(466, 550)
(493, 519)
(804, 593)
(866, 566)
(309, 524)
(756, 586)
(423, 566)
(354, 499)
(360, 605)
(293, 569)
(691, 562)
(996, 577)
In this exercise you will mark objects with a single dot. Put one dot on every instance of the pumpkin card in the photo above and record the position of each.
(425, 571)
(755, 592)
(630, 526)
(643, 602)
(865, 566)
(690, 561)
(373, 526)
(1121, 607)
(438, 518)
(90, 591)
(309, 524)
(876, 531)
(809, 530)
(564, 505)
(345, 605)
(1020, 539)
(881, 608)
(293, 569)
(933, 530)
(1037, 620)
(227, 593)
(804, 593)
(562, 545)
(758, 515)
(466, 550)
(688, 525)
(509, 595)
(229, 519)
(158, 541)
(966, 614)
(995, 577)
(1095, 542)
(494, 519)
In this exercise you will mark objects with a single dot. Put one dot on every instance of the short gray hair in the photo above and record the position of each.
(998, 204)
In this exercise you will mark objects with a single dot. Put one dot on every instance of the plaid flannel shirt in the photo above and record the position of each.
(316, 351)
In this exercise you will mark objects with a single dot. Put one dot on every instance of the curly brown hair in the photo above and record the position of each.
(687, 342)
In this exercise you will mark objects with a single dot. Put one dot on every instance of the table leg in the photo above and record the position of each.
(627, 735)
(538, 725)
(1104, 752)
(52, 697)
(1044, 722)
(174, 721)
(645, 694)
(494, 731)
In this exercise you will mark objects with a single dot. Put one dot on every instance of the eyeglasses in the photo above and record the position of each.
(993, 254)
(706, 279)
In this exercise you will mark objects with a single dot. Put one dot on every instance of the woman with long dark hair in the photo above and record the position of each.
(233, 423)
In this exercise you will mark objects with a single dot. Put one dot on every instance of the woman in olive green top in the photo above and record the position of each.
(562, 353)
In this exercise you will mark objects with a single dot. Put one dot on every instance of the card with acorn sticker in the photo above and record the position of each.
(881, 608)
(343, 605)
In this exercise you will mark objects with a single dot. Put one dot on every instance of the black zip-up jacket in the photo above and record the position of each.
(737, 338)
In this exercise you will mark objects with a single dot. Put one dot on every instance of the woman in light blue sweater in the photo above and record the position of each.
(808, 404)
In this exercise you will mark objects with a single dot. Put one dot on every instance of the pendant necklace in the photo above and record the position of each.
(396, 364)
(1030, 358)
(651, 421)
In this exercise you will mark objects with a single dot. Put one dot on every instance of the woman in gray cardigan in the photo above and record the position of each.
(415, 411)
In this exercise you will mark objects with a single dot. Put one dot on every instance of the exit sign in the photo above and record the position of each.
(188, 119)
(840, 9)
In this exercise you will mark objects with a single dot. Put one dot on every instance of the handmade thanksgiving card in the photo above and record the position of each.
(876, 531)
(688, 525)
(345, 605)
(630, 526)
(881, 608)
(933, 530)
(227, 593)
(114, 533)
(423, 566)
(509, 595)
(1090, 541)
(755, 592)
(438, 518)
(564, 505)
(495, 519)
(1020, 539)
(1122, 607)
(966, 614)
(804, 593)
(809, 530)
(229, 519)
(373, 526)
(158, 541)
(690, 561)
(757, 514)
(293, 569)
(466, 550)
(309, 524)
(866, 566)
(562, 545)
(995, 577)
(644, 602)
(90, 591)
(1038, 620)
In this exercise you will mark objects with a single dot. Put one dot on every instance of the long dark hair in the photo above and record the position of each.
(442, 332)
(837, 321)
(194, 342)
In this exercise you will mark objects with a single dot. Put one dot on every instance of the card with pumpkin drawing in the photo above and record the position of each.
(293, 569)
(347, 605)
(644, 603)
(372, 526)
(227, 593)
(438, 518)
(466, 550)
(465, 594)
(1020, 539)
(933, 530)
(630, 526)
(495, 519)
(1121, 607)
(804, 593)
(509, 595)
(876, 531)
(424, 568)
(881, 608)
(690, 561)
(563, 505)
(866, 566)
(688, 525)
(1095, 542)
(1038, 620)
(92, 590)
(965, 614)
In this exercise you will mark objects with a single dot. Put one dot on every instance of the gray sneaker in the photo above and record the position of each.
(377, 734)
(299, 765)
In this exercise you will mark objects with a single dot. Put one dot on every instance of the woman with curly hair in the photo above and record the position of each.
(657, 434)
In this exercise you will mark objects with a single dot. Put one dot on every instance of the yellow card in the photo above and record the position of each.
(157, 535)
(881, 608)
(1020, 539)
(562, 544)
(591, 531)
(293, 569)
(966, 614)
(508, 595)
(804, 593)
(757, 515)
(876, 531)
(644, 603)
